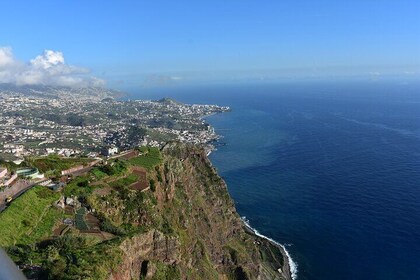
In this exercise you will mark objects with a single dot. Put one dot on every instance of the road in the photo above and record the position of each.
(21, 186)
(17, 190)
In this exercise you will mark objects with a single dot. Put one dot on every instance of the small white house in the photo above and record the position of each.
(3, 172)
(110, 151)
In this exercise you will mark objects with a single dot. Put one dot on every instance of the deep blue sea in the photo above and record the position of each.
(332, 170)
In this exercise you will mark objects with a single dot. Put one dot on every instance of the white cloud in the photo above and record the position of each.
(48, 68)
(6, 57)
(48, 59)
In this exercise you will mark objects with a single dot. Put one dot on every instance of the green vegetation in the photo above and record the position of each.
(78, 187)
(80, 219)
(125, 181)
(108, 226)
(166, 272)
(152, 184)
(29, 218)
(98, 173)
(116, 167)
(166, 227)
(75, 120)
(158, 175)
(189, 222)
(70, 257)
(57, 163)
(151, 157)
(9, 165)
(135, 134)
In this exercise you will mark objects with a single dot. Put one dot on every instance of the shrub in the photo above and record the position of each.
(152, 185)
(83, 183)
(166, 227)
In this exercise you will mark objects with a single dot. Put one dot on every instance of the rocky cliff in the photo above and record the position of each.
(160, 215)
(199, 234)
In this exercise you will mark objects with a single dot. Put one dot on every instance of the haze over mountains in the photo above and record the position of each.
(59, 92)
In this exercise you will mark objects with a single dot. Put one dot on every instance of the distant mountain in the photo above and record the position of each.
(168, 101)
(58, 92)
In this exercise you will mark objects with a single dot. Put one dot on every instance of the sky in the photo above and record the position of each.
(148, 43)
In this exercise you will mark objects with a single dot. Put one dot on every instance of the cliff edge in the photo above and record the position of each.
(203, 236)
(149, 214)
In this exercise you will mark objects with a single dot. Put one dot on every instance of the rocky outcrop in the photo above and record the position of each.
(143, 249)
(198, 233)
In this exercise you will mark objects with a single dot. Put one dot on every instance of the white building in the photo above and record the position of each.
(110, 151)
(3, 172)
(11, 180)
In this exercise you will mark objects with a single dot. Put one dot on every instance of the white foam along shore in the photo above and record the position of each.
(292, 265)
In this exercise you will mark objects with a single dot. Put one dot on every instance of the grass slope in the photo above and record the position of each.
(54, 162)
(151, 157)
(29, 218)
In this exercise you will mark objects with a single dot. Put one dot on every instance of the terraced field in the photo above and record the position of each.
(29, 218)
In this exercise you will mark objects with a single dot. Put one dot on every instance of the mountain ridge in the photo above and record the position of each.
(58, 92)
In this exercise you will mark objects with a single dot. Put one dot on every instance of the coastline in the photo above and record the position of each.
(290, 266)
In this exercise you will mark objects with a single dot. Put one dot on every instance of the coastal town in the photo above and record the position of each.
(88, 122)
(84, 128)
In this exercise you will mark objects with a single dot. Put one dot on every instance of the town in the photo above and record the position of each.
(70, 123)
(78, 129)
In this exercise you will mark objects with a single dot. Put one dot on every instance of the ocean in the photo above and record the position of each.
(330, 170)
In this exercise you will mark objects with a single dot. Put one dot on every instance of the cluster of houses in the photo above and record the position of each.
(20, 151)
(15, 149)
(63, 151)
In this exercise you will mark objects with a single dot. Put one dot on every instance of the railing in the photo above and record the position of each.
(8, 269)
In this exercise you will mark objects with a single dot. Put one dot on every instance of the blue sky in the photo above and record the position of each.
(127, 42)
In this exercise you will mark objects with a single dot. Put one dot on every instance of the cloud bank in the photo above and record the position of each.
(48, 68)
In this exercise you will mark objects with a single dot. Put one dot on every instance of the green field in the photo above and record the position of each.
(56, 163)
(29, 218)
(150, 158)
(126, 181)
(98, 173)
(79, 186)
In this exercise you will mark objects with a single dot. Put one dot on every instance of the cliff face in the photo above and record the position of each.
(198, 233)
(140, 250)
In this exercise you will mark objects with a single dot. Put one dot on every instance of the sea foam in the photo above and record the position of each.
(292, 265)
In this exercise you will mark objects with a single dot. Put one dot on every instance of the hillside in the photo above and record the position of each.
(179, 224)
